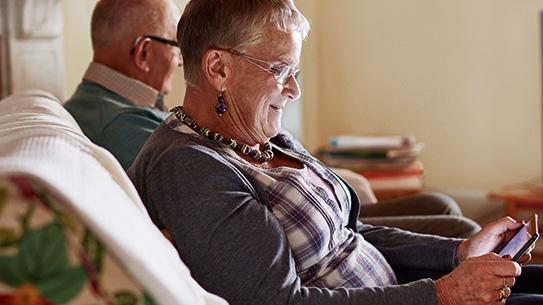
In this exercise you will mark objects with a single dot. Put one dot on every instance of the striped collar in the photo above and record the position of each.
(131, 89)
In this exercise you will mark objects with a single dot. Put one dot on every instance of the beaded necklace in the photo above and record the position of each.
(218, 137)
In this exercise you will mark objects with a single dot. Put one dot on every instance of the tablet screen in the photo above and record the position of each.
(517, 242)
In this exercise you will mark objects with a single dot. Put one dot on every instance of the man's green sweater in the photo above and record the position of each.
(112, 121)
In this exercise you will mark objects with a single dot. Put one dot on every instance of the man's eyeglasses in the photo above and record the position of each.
(172, 43)
(281, 72)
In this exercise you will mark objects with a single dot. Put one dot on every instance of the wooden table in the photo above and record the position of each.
(522, 198)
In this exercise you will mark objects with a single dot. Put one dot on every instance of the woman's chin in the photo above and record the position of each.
(273, 130)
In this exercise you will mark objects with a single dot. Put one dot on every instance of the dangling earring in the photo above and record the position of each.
(220, 107)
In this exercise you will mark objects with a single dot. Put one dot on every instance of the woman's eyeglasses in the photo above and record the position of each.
(172, 43)
(281, 72)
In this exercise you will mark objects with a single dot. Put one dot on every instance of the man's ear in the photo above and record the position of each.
(141, 54)
(215, 68)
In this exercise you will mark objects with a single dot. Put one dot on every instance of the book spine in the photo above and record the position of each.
(371, 142)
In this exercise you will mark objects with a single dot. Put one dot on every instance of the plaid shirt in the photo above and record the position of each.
(327, 253)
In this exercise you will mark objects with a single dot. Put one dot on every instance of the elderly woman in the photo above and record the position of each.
(260, 221)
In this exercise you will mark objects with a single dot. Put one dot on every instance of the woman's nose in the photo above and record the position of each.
(292, 88)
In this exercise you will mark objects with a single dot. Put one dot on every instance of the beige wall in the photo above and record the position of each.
(77, 46)
(464, 76)
(78, 50)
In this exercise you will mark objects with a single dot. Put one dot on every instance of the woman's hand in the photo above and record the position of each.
(478, 280)
(489, 239)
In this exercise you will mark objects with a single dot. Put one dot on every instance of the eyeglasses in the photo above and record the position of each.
(281, 72)
(172, 43)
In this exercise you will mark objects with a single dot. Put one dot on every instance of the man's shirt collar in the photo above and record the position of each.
(131, 89)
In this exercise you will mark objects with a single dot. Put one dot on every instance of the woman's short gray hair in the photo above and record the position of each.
(208, 24)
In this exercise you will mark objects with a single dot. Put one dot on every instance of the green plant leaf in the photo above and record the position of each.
(147, 300)
(61, 288)
(42, 252)
(10, 272)
(42, 260)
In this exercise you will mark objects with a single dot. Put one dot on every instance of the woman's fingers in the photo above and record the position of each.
(480, 280)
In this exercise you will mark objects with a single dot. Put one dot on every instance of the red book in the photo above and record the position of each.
(414, 169)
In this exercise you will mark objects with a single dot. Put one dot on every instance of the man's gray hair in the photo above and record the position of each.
(207, 24)
(117, 22)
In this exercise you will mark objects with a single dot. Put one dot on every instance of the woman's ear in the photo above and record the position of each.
(215, 68)
(141, 54)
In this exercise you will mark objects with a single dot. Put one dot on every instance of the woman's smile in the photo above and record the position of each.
(278, 108)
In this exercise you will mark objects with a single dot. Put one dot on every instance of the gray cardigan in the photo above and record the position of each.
(234, 245)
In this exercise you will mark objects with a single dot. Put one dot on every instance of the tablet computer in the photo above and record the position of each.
(522, 240)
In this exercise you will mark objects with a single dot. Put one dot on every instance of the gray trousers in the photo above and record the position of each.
(427, 213)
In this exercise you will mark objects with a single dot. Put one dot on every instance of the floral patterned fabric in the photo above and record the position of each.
(48, 257)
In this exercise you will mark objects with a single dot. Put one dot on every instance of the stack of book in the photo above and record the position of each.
(390, 163)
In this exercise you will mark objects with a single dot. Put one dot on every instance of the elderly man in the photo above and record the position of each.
(120, 100)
